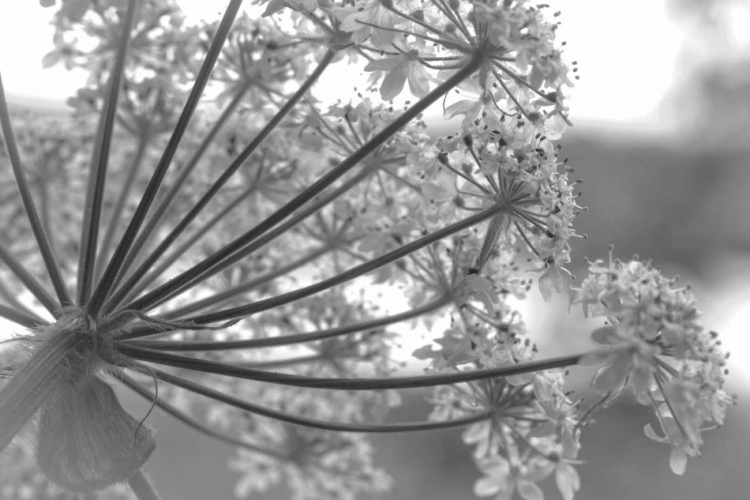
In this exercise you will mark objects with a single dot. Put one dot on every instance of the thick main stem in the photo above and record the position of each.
(283, 340)
(34, 383)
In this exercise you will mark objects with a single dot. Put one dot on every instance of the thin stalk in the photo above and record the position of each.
(23, 318)
(28, 203)
(342, 384)
(10, 298)
(355, 272)
(43, 189)
(113, 268)
(284, 362)
(187, 419)
(141, 487)
(490, 240)
(31, 283)
(224, 177)
(315, 423)
(140, 153)
(100, 161)
(215, 261)
(167, 345)
(275, 232)
(180, 251)
(161, 209)
(246, 287)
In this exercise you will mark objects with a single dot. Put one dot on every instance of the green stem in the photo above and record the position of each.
(101, 294)
(141, 487)
(343, 384)
(99, 163)
(215, 260)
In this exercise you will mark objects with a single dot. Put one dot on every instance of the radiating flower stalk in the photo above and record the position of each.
(262, 216)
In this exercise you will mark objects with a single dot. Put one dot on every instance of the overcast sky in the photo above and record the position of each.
(625, 51)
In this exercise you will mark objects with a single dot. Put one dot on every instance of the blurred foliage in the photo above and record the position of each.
(711, 100)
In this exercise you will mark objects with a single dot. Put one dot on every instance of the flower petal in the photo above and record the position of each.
(568, 481)
(530, 491)
(605, 335)
(678, 461)
(393, 83)
(612, 377)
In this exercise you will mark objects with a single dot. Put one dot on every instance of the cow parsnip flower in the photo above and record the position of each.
(263, 336)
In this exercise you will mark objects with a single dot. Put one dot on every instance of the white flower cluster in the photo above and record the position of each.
(655, 345)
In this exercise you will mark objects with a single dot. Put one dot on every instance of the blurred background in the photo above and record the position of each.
(661, 141)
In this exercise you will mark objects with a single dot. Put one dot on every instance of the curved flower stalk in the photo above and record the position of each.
(232, 224)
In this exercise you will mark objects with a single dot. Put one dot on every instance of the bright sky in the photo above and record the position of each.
(625, 52)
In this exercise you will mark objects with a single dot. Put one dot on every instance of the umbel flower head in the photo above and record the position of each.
(655, 345)
(226, 246)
